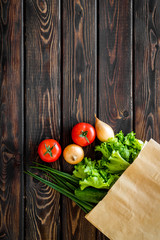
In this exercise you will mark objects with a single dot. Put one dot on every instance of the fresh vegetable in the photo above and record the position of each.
(91, 179)
(49, 150)
(90, 194)
(127, 147)
(117, 154)
(73, 154)
(83, 134)
(61, 182)
(103, 130)
(92, 176)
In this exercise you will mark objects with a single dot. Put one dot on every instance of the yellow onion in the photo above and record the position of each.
(73, 154)
(103, 130)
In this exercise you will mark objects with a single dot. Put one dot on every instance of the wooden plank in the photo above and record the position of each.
(79, 95)
(147, 69)
(115, 65)
(11, 120)
(42, 112)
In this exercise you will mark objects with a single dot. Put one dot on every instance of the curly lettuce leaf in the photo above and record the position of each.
(116, 164)
(94, 174)
(84, 168)
(98, 182)
(103, 149)
(117, 155)
(127, 146)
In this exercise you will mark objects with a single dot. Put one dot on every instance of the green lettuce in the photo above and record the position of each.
(127, 146)
(115, 163)
(85, 168)
(98, 182)
(91, 175)
(117, 155)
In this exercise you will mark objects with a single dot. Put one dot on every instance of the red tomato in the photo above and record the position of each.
(83, 134)
(49, 150)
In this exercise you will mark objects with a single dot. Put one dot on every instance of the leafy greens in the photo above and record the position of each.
(117, 155)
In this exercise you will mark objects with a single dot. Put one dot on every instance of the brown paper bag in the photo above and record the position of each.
(131, 208)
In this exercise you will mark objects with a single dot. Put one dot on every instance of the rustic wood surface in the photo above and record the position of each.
(147, 69)
(11, 121)
(115, 64)
(60, 63)
(79, 94)
(42, 112)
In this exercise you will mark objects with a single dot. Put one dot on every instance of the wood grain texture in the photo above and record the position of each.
(147, 69)
(92, 74)
(115, 64)
(43, 88)
(79, 94)
(11, 132)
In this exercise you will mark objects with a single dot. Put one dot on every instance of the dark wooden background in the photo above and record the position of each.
(62, 61)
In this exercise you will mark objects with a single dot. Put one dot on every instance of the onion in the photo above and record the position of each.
(73, 154)
(103, 130)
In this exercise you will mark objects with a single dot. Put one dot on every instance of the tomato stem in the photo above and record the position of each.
(49, 150)
(84, 134)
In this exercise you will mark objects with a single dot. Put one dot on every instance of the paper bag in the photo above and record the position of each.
(131, 208)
